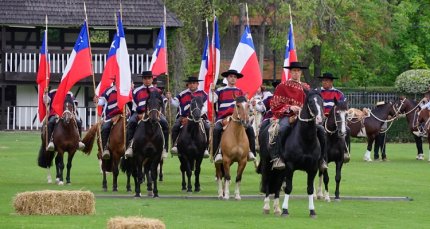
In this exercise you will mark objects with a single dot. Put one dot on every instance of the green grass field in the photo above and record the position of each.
(402, 176)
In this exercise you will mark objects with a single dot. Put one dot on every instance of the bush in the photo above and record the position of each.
(413, 81)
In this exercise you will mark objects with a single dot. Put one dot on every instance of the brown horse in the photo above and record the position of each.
(116, 148)
(410, 109)
(234, 148)
(66, 139)
(372, 124)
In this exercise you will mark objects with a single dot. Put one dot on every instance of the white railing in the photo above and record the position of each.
(26, 118)
(28, 61)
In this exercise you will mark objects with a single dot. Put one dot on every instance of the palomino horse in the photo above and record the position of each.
(148, 145)
(256, 116)
(338, 145)
(66, 139)
(192, 142)
(301, 152)
(234, 148)
(372, 124)
(116, 148)
(410, 109)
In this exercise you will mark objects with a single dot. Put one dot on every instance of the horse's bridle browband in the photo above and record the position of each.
(145, 117)
(192, 116)
(309, 119)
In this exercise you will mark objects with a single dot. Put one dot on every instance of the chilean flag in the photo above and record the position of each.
(123, 79)
(216, 50)
(110, 71)
(158, 62)
(245, 61)
(290, 54)
(43, 76)
(206, 72)
(78, 67)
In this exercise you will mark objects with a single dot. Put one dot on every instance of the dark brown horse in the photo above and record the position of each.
(372, 124)
(410, 109)
(116, 148)
(337, 145)
(66, 139)
(234, 148)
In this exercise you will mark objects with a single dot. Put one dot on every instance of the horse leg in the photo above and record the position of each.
(115, 173)
(370, 140)
(310, 191)
(160, 174)
(288, 189)
(128, 187)
(136, 173)
(319, 190)
(154, 175)
(219, 180)
(70, 156)
(60, 167)
(419, 145)
(326, 181)
(227, 179)
(148, 180)
(189, 174)
(338, 178)
(197, 175)
(104, 182)
(240, 169)
(48, 176)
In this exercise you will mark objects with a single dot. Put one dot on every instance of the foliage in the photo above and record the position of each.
(413, 81)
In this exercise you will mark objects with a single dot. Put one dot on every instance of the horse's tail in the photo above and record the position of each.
(44, 160)
(126, 165)
(89, 139)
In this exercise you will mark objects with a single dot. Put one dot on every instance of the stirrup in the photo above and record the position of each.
(105, 155)
(206, 154)
(251, 156)
(323, 166)
(128, 152)
(81, 146)
(50, 147)
(174, 151)
(218, 159)
(278, 164)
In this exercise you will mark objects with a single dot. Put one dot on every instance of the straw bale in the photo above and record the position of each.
(50, 202)
(134, 222)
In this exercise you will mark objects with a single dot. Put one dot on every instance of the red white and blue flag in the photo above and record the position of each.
(290, 54)
(245, 61)
(43, 76)
(158, 62)
(215, 51)
(123, 79)
(78, 67)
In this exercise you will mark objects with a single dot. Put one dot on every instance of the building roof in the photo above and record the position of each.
(66, 13)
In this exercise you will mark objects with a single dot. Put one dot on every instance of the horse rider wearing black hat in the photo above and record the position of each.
(183, 101)
(140, 95)
(223, 97)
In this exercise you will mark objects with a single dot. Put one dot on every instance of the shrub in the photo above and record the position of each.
(413, 81)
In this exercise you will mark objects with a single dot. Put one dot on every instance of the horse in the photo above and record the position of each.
(66, 139)
(409, 108)
(116, 148)
(301, 151)
(372, 124)
(234, 147)
(256, 117)
(148, 145)
(337, 145)
(191, 145)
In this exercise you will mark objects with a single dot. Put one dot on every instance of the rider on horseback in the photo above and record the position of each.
(183, 101)
(224, 97)
(53, 119)
(110, 109)
(140, 95)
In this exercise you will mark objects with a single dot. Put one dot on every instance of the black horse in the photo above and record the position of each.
(301, 152)
(192, 142)
(148, 145)
(338, 146)
(373, 124)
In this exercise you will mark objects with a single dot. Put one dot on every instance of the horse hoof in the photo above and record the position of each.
(104, 189)
(156, 196)
(220, 197)
(49, 181)
(337, 199)
(277, 212)
(137, 196)
(189, 190)
(319, 197)
(150, 193)
(266, 211)
(115, 190)
(226, 197)
(285, 213)
(60, 183)
(312, 214)
(237, 197)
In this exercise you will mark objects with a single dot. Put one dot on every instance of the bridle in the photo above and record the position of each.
(335, 122)
(238, 118)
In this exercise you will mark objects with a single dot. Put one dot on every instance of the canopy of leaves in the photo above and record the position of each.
(413, 81)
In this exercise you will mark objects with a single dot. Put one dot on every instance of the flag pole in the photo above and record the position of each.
(167, 80)
(125, 105)
(46, 78)
(99, 140)
(212, 55)
(247, 17)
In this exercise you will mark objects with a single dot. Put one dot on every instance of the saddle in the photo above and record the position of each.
(358, 114)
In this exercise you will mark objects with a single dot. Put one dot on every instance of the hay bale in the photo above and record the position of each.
(50, 202)
(134, 222)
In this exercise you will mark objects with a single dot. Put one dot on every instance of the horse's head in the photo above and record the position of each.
(68, 109)
(196, 106)
(154, 106)
(241, 110)
(314, 105)
(336, 120)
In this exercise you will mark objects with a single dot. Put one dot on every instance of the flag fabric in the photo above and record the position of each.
(110, 71)
(78, 67)
(290, 54)
(158, 62)
(216, 50)
(42, 77)
(206, 73)
(123, 79)
(245, 61)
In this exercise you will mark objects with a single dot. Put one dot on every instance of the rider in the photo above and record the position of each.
(53, 119)
(140, 95)
(263, 94)
(224, 97)
(108, 100)
(183, 101)
(266, 102)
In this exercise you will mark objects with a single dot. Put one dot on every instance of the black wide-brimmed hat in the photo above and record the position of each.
(192, 79)
(275, 83)
(296, 65)
(232, 72)
(327, 75)
(159, 83)
(147, 74)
